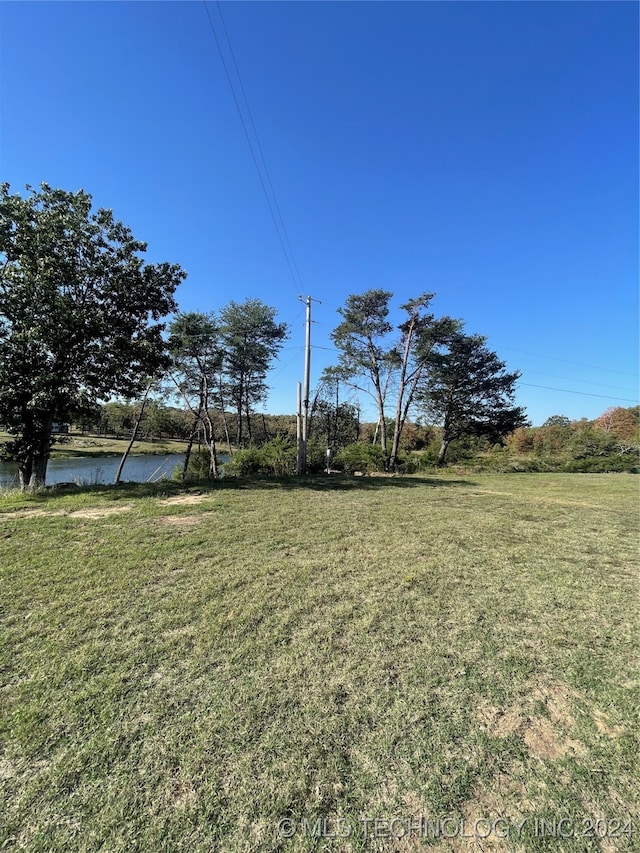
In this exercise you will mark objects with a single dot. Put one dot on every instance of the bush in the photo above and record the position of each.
(603, 465)
(360, 457)
(244, 463)
(198, 468)
(278, 457)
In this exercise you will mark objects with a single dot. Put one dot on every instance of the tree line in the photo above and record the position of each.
(84, 328)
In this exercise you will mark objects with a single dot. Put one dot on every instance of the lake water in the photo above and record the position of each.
(89, 470)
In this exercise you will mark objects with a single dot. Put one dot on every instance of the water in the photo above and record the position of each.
(92, 470)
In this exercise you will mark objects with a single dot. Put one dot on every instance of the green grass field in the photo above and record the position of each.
(275, 666)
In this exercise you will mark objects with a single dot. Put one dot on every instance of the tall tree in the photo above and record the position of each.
(194, 343)
(79, 312)
(365, 353)
(333, 419)
(251, 339)
(470, 393)
(420, 336)
(391, 367)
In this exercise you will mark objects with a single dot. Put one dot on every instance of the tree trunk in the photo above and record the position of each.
(248, 415)
(443, 452)
(33, 464)
(239, 426)
(224, 417)
(134, 435)
(210, 441)
(33, 473)
(187, 454)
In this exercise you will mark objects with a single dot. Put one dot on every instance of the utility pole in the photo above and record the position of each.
(302, 446)
(299, 430)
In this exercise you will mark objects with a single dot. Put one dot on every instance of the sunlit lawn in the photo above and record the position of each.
(182, 671)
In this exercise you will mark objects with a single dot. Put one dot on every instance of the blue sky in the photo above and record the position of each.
(487, 152)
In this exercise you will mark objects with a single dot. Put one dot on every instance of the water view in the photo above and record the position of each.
(90, 470)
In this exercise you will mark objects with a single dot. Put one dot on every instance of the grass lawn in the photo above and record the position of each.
(276, 666)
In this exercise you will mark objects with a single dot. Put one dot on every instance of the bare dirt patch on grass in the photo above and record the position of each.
(100, 512)
(180, 520)
(604, 726)
(34, 513)
(182, 500)
(546, 735)
(90, 512)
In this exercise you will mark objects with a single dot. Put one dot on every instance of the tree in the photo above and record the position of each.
(333, 421)
(251, 340)
(194, 342)
(361, 339)
(470, 393)
(79, 312)
(134, 434)
(622, 423)
(554, 436)
(421, 335)
(390, 366)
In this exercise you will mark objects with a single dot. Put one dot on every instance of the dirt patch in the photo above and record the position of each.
(99, 512)
(557, 699)
(33, 513)
(183, 499)
(180, 520)
(181, 794)
(605, 727)
(544, 741)
(545, 736)
(499, 722)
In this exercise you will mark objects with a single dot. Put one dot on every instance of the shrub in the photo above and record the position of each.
(278, 456)
(602, 464)
(360, 457)
(244, 463)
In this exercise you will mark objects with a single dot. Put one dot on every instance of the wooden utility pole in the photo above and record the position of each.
(302, 446)
(299, 430)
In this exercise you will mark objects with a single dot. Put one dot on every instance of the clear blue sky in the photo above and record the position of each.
(484, 151)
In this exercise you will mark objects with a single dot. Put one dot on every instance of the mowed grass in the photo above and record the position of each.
(183, 669)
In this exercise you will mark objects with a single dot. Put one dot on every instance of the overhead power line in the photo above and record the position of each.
(262, 157)
(582, 393)
(273, 206)
(576, 363)
(526, 370)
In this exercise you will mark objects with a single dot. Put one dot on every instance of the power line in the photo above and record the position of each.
(262, 157)
(289, 260)
(582, 381)
(566, 361)
(582, 393)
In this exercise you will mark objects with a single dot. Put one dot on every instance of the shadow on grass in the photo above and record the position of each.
(332, 483)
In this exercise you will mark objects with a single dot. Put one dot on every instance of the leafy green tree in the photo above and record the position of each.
(389, 366)
(79, 316)
(251, 339)
(470, 392)
(334, 421)
(554, 436)
(421, 336)
(366, 359)
(196, 371)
